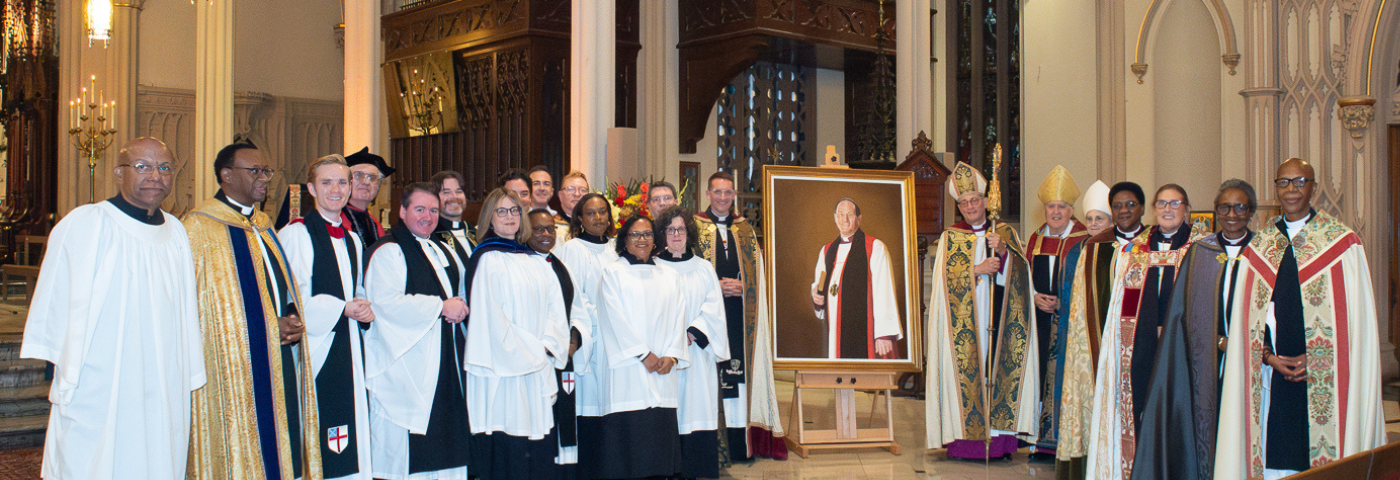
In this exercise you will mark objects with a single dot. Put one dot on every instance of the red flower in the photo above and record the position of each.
(644, 187)
(620, 200)
(621, 191)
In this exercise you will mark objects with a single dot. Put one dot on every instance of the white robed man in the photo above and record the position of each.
(257, 417)
(590, 249)
(572, 188)
(541, 189)
(517, 337)
(579, 312)
(327, 262)
(853, 291)
(413, 354)
(118, 279)
(1302, 384)
(642, 339)
(750, 406)
(708, 347)
(983, 380)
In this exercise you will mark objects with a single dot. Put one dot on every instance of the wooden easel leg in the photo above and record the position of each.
(846, 414)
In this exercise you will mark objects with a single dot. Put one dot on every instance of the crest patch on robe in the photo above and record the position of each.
(337, 438)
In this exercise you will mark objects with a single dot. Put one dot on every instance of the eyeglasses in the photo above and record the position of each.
(1169, 203)
(1299, 182)
(539, 229)
(165, 169)
(512, 211)
(574, 190)
(644, 235)
(1225, 208)
(258, 172)
(675, 231)
(663, 198)
(362, 177)
(969, 201)
(1128, 205)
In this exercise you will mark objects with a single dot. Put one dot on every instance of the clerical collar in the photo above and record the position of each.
(353, 209)
(136, 212)
(333, 222)
(1062, 233)
(1167, 237)
(666, 254)
(562, 215)
(1127, 235)
(1296, 226)
(455, 225)
(591, 238)
(1243, 240)
(726, 220)
(632, 259)
(247, 211)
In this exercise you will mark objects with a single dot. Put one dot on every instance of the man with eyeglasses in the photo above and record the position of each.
(258, 420)
(1092, 288)
(1144, 278)
(750, 403)
(452, 228)
(1052, 248)
(1179, 420)
(415, 353)
(853, 291)
(1302, 364)
(572, 188)
(983, 377)
(661, 195)
(367, 172)
(115, 282)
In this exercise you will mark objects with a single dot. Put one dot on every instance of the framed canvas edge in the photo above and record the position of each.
(913, 296)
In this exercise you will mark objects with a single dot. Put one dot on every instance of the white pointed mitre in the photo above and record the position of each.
(1096, 198)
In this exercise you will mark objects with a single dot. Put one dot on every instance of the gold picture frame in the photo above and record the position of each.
(799, 227)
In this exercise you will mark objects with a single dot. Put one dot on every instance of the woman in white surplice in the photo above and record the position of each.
(590, 247)
(709, 345)
(642, 341)
(517, 335)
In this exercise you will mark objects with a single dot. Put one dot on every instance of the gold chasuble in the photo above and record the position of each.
(958, 409)
(763, 430)
(242, 413)
(1341, 398)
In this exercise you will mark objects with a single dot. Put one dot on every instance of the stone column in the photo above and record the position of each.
(1262, 95)
(658, 127)
(364, 82)
(122, 72)
(592, 85)
(913, 73)
(213, 91)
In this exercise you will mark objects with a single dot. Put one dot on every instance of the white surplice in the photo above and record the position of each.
(640, 312)
(585, 261)
(115, 311)
(517, 336)
(704, 311)
(402, 356)
(884, 309)
(320, 314)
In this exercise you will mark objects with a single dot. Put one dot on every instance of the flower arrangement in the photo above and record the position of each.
(631, 198)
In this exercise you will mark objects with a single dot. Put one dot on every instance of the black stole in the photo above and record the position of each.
(335, 383)
(1156, 297)
(364, 225)
(565, 409)
(1288, 401)
(443, 232)
(855, 291)
(727, 266)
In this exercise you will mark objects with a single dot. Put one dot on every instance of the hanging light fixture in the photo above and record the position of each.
(99, 16)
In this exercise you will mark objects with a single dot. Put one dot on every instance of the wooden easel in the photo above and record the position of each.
(847, 434)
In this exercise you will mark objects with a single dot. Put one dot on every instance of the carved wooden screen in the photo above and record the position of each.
(988, 92)
(764, 119)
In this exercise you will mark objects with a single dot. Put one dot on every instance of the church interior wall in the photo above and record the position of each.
(1186, 123)
(167, 49)
(1059, 92)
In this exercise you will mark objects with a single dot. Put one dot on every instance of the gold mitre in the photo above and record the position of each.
(1059, 185)
(1096, 198)
(965, 180)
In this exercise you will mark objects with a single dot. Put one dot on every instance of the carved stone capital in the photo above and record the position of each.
(1356, 113)
(1139, 69)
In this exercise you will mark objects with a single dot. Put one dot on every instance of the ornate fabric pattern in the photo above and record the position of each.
(224, 435)
(961, 302)
(1011, 346)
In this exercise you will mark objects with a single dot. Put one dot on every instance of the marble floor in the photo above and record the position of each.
(914, 462)
(875, 463)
